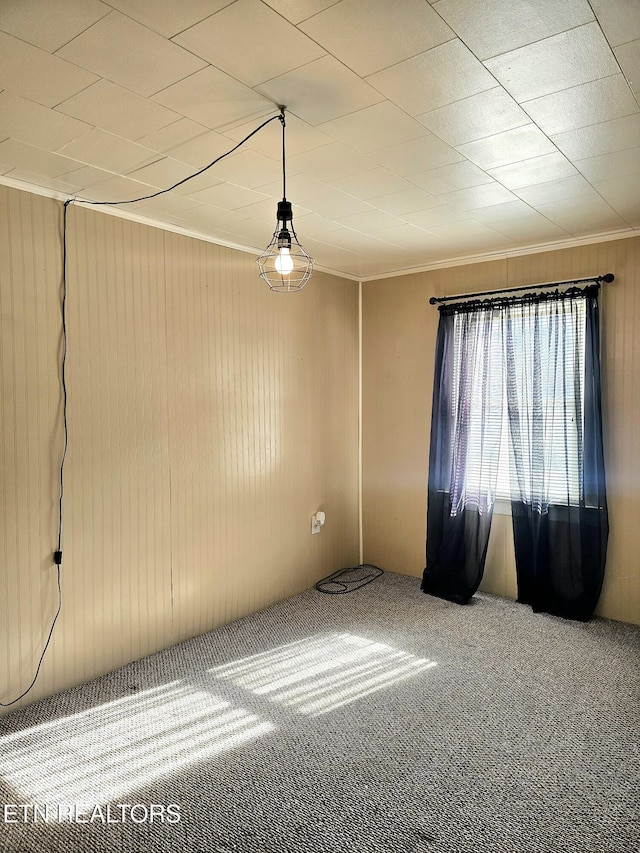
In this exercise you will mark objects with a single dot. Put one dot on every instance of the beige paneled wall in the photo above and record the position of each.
(117, 544)
(398, 356)
(208, 419)
(30, 441)
(262, 422)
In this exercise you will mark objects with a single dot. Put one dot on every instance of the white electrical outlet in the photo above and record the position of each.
(317, 521)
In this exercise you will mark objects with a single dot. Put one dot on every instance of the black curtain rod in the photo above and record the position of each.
(606, 278)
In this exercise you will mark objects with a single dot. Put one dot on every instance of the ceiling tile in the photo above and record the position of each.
(215, 99)
(331, 206)
(106, 151)
(28, 157)
(614, 165)
(248, 168)
(37, 125)
(629, 210)
(35, 74)
(331, 162)
(153, 214)
(590, 103)
(166, 16)
(593, 140)
(497, 26)
(367, 161)
(404, 262)
(531, 230)
(249, 233)
(213, 217)
(620, 19)
(406, 201)
(375, 127)
(117, 188)
(470, 234)
(173, 134)
(240, 41)
(299, 10)
(445, 179)
(379, 41)
(85, 176)
(433, 79)
(321, 90)
(316, 226)
(370, 221)
(336, 257)
(418, 155)
(197, 182)
(365, 185)
(61, 184)
(536, 170)
(41, 23)
(586, 216)
(265, 212)
(510, 146)
(437, 216)
(508, 211)
(202, 149)
(628, 55)
(229, 196)
(473, 118)
(169, 203)
(352, 239)
(407, 237)
(555, 63)
(117, 110)
(479, 196)
(163, 173)
(619, 190)
(562, 188)
(127, 53)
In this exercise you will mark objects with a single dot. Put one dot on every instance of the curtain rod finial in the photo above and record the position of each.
(608, 277)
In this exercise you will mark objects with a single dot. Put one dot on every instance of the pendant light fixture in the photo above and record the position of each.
(284, 264)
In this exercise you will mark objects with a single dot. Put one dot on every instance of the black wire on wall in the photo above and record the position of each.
(57, 554)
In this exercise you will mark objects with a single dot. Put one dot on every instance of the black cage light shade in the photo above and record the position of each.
(284, 264)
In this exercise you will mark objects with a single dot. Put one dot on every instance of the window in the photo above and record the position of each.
(520, 405)
(517, 387)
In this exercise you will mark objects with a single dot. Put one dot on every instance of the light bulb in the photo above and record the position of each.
(284, 261)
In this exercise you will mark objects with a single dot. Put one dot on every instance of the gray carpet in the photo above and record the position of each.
(379, 721)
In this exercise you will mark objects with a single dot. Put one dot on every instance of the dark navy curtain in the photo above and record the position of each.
(559, 504)
(539, 358)
(466, 423)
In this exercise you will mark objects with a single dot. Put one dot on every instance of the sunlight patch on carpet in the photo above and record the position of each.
(98, 755)
(323, 672)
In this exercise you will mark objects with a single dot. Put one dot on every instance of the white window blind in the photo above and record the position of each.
(547, 375)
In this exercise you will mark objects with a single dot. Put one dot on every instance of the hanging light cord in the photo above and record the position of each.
(284, 174)
(189, 177)
(57, 556)
(63, 381)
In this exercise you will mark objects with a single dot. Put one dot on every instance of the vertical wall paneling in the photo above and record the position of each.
(263, 431)
(399, 339)
(117, 535)
(30, 443)
(208, 419)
